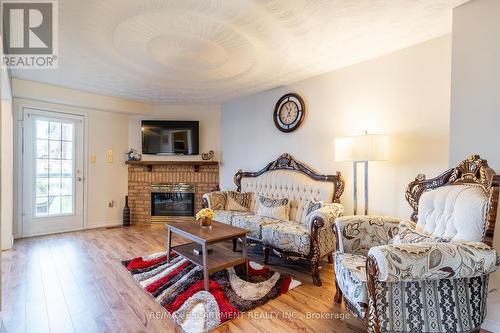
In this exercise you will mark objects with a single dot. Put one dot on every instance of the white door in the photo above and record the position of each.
(52, 172)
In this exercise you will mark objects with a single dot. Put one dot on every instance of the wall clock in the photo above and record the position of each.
(289, 112)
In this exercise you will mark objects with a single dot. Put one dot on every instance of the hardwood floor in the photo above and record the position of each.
(74, 282)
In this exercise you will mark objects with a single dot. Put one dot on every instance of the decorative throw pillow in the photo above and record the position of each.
(310, 207)
(408, 235)
(218, 200)
(237, 201)
(273, 208)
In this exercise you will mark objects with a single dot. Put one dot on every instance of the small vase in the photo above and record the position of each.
(205, 223)
(126, 213)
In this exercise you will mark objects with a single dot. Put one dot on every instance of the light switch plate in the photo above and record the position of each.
(92, 159)
(110, 155)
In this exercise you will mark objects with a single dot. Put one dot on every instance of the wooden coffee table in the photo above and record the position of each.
(219, 257)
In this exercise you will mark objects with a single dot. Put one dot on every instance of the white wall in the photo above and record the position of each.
(404, 94)
(6, 162)
(107, 181)
(475, 99)
(105, 130)
(208, 116)
(71, 97)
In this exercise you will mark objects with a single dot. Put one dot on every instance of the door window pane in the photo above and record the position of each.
(67, 168)
(54, 168)
(42, 187)
(55, 149)
(67, 150)
(42, 129)
(41, 206)
(54, 131)
(67, 132)
(54, 205)
(42, 148)
(42, 168)
(54, 186)
(66, 186)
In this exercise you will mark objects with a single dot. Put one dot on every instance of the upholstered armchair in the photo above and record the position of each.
(429, 273)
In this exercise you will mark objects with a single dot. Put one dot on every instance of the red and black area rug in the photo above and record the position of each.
(178, 287)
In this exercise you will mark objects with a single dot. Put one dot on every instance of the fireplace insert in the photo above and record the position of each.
(172, 199)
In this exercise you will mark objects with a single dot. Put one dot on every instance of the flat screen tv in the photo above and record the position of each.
(163, 137)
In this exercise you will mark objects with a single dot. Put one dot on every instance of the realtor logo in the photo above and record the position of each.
(30, 32)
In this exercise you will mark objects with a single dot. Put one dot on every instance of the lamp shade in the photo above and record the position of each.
(368, 147)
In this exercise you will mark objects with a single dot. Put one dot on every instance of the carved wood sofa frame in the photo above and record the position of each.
(472, 171)
(287, 162)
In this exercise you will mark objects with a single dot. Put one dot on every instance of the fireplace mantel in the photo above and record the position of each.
(172, 162)
(150, 164)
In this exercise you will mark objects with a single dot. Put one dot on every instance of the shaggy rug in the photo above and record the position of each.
(178, 287)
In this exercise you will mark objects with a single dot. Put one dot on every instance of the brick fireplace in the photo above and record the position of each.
(142, 175)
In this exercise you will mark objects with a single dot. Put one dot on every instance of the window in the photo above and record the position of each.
(54, 168)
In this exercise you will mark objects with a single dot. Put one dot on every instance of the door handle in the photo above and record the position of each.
(79, 179)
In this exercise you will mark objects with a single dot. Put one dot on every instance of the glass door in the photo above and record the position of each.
(52, 172)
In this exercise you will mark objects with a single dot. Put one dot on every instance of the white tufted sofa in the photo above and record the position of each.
(429, 274)
(310, 238)
(297, 187)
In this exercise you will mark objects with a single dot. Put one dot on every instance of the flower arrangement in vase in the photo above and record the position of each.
(205, 217)
(133, 155)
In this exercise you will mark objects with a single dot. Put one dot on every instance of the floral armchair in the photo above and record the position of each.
(430, 273)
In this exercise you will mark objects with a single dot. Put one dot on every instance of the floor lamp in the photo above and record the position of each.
(361, 149)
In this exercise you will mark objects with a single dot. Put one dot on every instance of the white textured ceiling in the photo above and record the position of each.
(192, 51)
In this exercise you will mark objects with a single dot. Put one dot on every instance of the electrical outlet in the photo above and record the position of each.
(92, 159)
(110, 155)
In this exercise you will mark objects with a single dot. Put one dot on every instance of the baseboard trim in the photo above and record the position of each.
(490, 325)
(105, 224)
(36, 234)
(111, 223)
